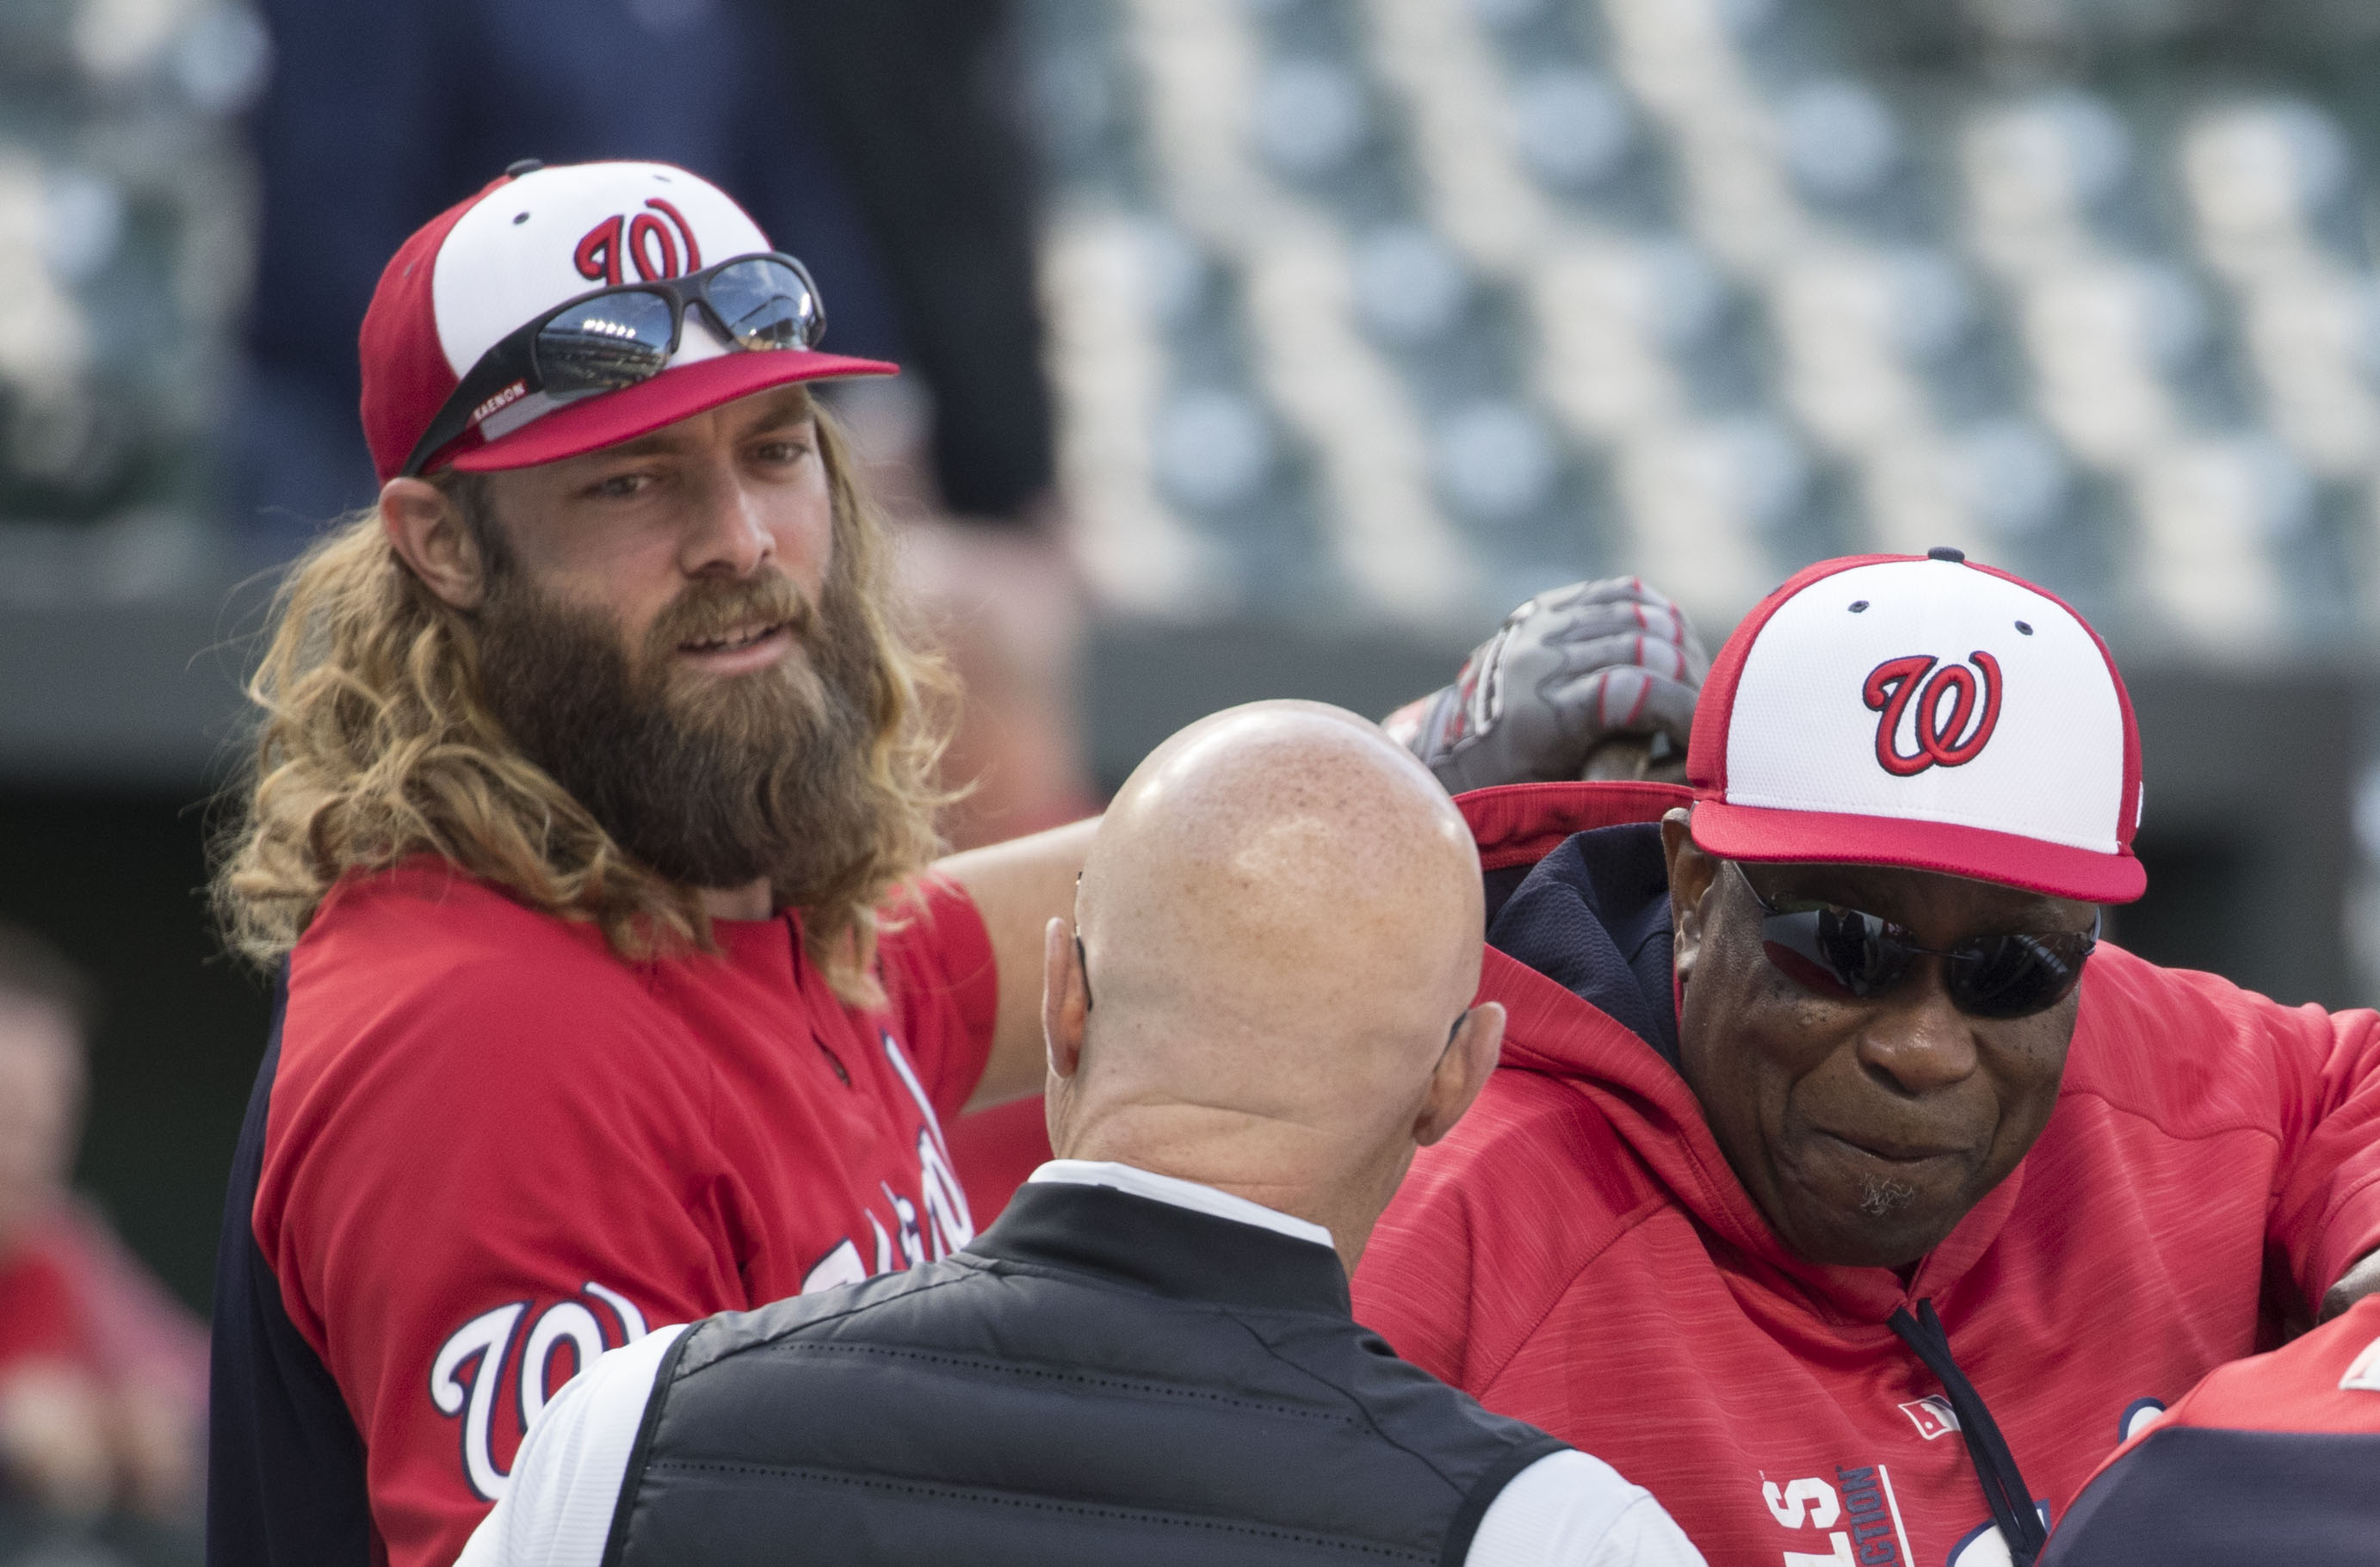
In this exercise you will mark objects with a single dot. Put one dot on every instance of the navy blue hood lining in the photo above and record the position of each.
(1594, 917)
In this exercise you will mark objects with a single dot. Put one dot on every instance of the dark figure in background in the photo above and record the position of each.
(920, 103)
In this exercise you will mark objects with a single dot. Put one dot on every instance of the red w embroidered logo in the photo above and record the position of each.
(1944, 707)
(605, 250)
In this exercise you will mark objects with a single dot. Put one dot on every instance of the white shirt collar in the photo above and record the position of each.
(1180, 1193)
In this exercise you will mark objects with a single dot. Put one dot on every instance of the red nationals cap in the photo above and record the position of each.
(1926, 712)
(527, 244)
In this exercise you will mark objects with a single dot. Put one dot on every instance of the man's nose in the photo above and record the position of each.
(1918, 1042)
(729, 534)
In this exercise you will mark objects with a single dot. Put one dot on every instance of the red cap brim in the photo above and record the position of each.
(1756, 834)
(614, 416)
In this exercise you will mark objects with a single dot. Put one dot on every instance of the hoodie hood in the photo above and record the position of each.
(1583, 986)
(1594, 917)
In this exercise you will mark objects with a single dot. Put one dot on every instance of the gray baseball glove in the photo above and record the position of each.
(1566, 672)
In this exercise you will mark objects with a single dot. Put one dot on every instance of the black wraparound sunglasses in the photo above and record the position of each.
(616, 337)
(1813, 943)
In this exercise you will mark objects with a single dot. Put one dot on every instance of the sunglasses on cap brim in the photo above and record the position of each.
(1851, 953)
(616, 337)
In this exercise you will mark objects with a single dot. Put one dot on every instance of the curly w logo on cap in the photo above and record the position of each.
(1888, 689)
(659, 249)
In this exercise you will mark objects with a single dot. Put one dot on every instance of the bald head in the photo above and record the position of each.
(1279, 927)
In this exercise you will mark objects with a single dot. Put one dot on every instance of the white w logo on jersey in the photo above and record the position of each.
(483, 1346)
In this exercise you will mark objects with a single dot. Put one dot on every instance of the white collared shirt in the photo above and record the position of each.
(1180, 1193)
(1566, 1510)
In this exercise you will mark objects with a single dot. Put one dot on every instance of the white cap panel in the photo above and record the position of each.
(555, 234)
(1803, 736)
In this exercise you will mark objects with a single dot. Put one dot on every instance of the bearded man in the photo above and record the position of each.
(591, 836)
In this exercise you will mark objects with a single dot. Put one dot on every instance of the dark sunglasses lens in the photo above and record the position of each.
(604, 343)
(765, 304)
(1833, 951)
(2015, 976)
(1855, 948)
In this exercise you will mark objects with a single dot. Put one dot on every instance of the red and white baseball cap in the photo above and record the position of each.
(526, 244)
(1926, 712)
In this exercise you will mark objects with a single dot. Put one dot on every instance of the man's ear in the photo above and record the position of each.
(1691, 874)
(1462, 1072)
(1065, 1007)
(427, 532)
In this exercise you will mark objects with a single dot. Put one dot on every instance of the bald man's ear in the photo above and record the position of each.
(1462, 1072)
(1691, 875)
(427, 530)
(1066, 998)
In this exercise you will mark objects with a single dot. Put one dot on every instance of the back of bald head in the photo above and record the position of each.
(1280, 918)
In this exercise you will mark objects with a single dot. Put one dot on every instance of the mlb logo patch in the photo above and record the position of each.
(1932, 1415)
(2363, 1372)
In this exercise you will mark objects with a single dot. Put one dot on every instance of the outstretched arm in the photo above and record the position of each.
(2327, 1209)
(1017, 888)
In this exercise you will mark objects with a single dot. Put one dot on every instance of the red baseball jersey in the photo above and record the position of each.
(485, 1150)
(1579, 1254)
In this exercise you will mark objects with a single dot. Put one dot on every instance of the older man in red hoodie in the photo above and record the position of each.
(1837, 1184)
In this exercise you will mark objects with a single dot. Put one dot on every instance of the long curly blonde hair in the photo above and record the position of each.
(377, 744)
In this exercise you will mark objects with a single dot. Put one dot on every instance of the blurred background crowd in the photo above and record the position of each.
(1254, 347)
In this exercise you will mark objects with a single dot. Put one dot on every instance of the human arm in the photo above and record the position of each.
(1570, 1510)
(565, 1481)
(2326, 1209)
(2358, 1281)
(1017, 888)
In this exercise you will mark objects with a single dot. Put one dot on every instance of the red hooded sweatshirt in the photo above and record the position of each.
(1579, 1254)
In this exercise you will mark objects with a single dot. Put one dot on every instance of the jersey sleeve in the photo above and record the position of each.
(2327, 1213)
(502, 1175)
(942, 986)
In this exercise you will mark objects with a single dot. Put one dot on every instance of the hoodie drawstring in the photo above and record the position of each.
(2004, 1489)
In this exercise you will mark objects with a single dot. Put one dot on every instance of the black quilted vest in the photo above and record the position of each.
(1098, 1378)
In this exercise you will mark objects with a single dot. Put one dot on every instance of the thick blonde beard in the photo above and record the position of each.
(712, 781)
